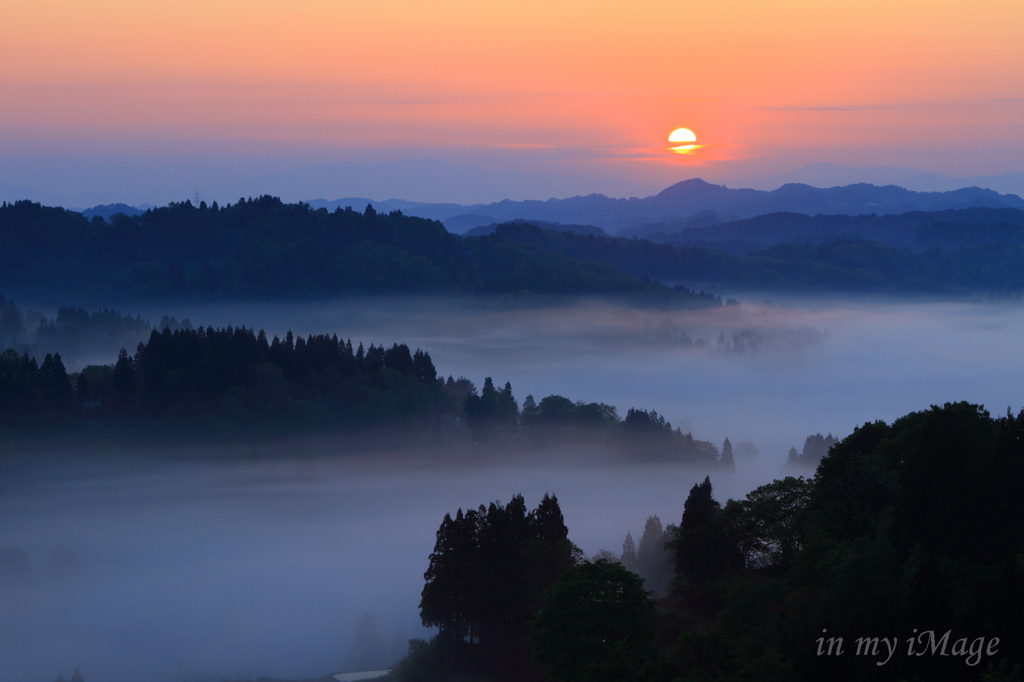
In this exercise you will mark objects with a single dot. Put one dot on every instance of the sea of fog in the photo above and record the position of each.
(141, 569)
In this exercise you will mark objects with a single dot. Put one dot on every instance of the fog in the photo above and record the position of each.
(133, 566)
(815, 364)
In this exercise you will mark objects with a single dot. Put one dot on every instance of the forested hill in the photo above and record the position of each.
(265, 249)
(837, 264)
(918, 230)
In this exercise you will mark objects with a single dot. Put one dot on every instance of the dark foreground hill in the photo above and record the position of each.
(901, 559)
(264, 249)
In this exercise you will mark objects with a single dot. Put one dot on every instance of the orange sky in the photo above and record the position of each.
(588, 86)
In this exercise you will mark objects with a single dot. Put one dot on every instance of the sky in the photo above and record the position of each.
(110, 100)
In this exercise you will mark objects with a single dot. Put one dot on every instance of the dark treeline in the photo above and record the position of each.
(232, 380)
(901, 559)
(233, 377)
(264, 249)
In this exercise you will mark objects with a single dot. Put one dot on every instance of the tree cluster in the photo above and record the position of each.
(650, 431)
(31, 394)
(488, 572)
(815, 447)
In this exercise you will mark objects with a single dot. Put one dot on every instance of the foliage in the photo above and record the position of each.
(559, 420)
(597, 616)
(911, 525)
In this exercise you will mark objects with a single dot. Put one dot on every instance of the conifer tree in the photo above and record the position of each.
(651, 558)
(703, 550)
(629, 553)
(123, 381)
(727, 463)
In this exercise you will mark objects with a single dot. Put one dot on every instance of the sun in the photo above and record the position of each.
(682, 135)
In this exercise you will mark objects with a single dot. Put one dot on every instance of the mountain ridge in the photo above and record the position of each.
(678, 202)
(687, 198)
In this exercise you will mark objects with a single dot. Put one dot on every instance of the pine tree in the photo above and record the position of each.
(82, 390)
(423, 367)
(651, 558)
(727, 462)
(367, 647)
(629, 553)
(703, 550)
(123, 381)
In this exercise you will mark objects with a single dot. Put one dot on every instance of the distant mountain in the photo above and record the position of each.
(689, 198)
(831, 175)
(105, 211)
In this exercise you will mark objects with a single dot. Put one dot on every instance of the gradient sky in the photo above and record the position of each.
(108, 100)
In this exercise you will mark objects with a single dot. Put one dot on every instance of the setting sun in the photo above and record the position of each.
(682, 135)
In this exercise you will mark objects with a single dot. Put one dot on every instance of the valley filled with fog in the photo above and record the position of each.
(260, 559)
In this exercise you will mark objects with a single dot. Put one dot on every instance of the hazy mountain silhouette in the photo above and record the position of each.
(106, 210)
(688, 198)
(915, 179)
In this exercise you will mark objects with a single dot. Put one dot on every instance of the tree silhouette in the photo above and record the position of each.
(595, 620)
(652, 561)
(629, 559)
(703, 550)
(488, 572)
(727, 461)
